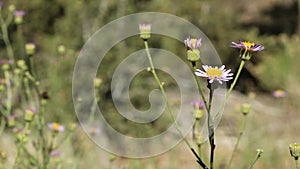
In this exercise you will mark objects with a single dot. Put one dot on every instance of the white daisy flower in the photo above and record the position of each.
(215, 73)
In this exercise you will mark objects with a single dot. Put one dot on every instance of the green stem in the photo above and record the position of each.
(231, 87)
(160, 84)
(200, 151)
(28, 91)
(20, 42)
(297, 164)
(211, 131)
(200, 88)
(235, 79)
(2, 124)
(6, 40)
(93, 111)
(32, 69)
(243, 125)
(9, 93)
(17, 156)
(258, 155)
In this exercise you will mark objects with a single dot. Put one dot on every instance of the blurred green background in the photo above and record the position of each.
(272, 23)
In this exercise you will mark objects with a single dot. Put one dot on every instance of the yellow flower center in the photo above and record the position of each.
(248, 44)
(55, 126)
(214, 72)
(193, 41)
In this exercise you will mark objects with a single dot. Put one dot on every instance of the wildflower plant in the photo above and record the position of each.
(215, 76)
(23, 104)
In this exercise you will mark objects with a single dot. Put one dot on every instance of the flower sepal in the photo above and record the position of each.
(193, 55)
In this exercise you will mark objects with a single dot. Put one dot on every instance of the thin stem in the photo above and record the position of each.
(243, 125)
(2, 124)
(258, 155)
(32, 69)
(210, 123)
(164, 93)
(160, 84)
(6, 40)
(20, 44)
(9, 93)
(93, 111)
(200, 87)
(236, 78)
(297, 164)
(199, 146)
(231, 87)
(17, 156)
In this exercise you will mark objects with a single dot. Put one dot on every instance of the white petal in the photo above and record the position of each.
(205, 67)
(222, 67)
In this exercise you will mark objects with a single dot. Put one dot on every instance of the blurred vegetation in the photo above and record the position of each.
(49, 24)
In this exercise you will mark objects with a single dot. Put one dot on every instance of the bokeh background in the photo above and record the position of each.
(273, 122)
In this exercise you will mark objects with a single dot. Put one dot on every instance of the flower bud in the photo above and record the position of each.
(2, 87)
(11, 120)
(22, 64)
(246, 108)
(3, 155)
(29, 114)
(295, 150)
(5, 67)
(97, 82)
(30, 48)
(19, 16)
(145, 31)
(193, 48)
(193, 55)
(17, 71)
(11, 8)
(112, 157)
(61, 49)
(72, 127)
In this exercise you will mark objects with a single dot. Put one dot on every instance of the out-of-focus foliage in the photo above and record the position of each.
(70, 23)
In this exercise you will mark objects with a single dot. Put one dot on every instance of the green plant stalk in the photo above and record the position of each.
(20, 146)
(93, 111)
(32, 69)
(211, 132)
(9, 93)
(46, 157)
(297, 163)
(2, 124)
(168, 104)
(28, 91)
(40, 125)
(200, 88)
(20, 42)
(164, 94)
(258, 155)
(235, 79)
(196, 129)
(231, 87)
(243, 126)
(9, 18)
(199, 146)
(17, 158)
(6, 40)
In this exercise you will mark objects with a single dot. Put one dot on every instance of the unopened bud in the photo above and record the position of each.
(97, 82)
(246, 108)
(30, 48)
(145, 31)
(295, 150)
